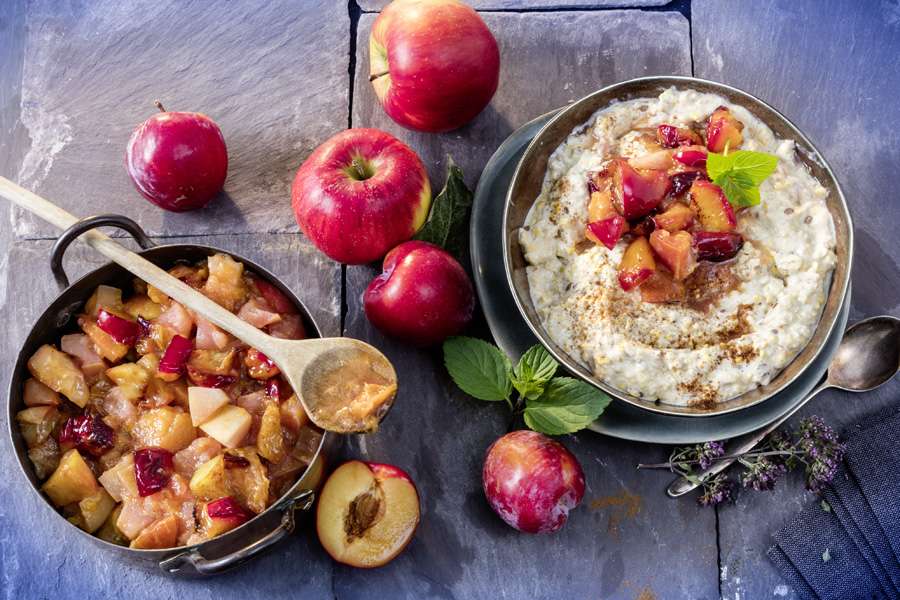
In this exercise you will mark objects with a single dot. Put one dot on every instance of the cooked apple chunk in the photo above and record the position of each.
(161, 534)
(165, 427)
(204, 402)
(225, 284)
(94, 510)
(229, 426)
(58, 371)
(38, 394)
(72, 481)
(209, 480)
(270, 439)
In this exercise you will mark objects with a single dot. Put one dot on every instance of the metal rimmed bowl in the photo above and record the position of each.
(222, 552)
(528, 181)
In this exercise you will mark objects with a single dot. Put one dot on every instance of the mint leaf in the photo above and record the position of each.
(740, 174)
(536, 367)
(448, 220)
(756, 166)
(739, 189)
(566, 406)
(479, 369)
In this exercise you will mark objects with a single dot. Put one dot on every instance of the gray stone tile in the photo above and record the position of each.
(533, 4)
(589, 50)
(272, 74)
(831, 67)
(40, 557)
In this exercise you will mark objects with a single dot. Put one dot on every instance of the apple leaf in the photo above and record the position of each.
(535, 369)
(448, 220)
(480, 369)
(566, 406)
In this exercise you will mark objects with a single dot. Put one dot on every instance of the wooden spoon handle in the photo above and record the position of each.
(141, 267)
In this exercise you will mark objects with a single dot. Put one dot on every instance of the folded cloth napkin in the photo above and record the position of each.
(848, 546)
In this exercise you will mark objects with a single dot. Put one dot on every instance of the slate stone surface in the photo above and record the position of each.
(590, 50)
(377, 5)
(40, 557)
(832, 68)
(272, 74)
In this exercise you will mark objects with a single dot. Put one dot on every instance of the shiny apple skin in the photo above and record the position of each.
(532, 481)
(356, 221)
(422, 297)
(443, 63)
(177, 160)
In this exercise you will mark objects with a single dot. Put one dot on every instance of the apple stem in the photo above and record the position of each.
(360, 168)
(159, 105)
(375, 76)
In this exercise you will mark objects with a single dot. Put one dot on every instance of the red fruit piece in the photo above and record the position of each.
(676, 251)
(608, 231)
(712, 207)
(670, 136)
(678, 216)
(662, 288)
(176, 355)
(88, 433)
(681, 182)
(276, 299)
(722, 130)
(152, 469)
(228, 508)
(209, 380)
(259, 366)
(637, 264)
(637, 193)
(691, 156)
(275, 388)
(717, 246)
(643, 227)
(124, 331)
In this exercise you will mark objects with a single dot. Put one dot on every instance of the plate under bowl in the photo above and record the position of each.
(527, 181)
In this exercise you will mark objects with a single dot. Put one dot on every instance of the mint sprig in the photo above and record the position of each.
(549, 404)
(740, 174)
(447, 222)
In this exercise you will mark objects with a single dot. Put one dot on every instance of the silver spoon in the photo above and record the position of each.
(345, 385)
(867, 357)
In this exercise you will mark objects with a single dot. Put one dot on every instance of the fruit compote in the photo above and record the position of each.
(153, 428)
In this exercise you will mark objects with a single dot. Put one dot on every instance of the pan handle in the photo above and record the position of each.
(71, 234)
(192, 562)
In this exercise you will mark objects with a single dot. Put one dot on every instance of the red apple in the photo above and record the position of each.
(422, 296)
(360, 194)
(434, 64)
(177, 160)
(532, 481)
(367, 513)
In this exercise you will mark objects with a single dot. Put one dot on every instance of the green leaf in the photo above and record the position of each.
(479, 369)
(447, 222)
(567, 405)
(536, 367)
(740, 191)
(740, 174)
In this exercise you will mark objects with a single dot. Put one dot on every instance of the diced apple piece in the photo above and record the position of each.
(72, 481)
(104, 295)
(95, 509)
(723, 130)
(143, 306)
(256, 314)
(120, 411)
(194, 276)
(38, 394)
(109, 532)
(250, 484)
(119, 325)
(637, 193)
(108, 348)
(269, 440)
(174, 360)
(225, 284)
(289, 328)
(57, 371)
(678, 216)
(44, 457)
(717, 246)
(82, 349)
(367, 513)
(607, 231)
(274, 297)
(161, 534)
(209, 337)
(712, 207)
(119, 481)
(675, 250)
(229, 426)
(165, 427)
(292, 414)
(134, 516)
(691, 156)
(209, 481)
(177, 319)
(204, 402)
(132, 378)
(661, 160)
(200, 451)
(221, 515)
(662, 288)
(259, 366)
(670, 136)
(637, 264)
(214, 362)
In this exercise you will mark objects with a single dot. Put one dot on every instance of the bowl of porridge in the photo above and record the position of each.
(679, 244)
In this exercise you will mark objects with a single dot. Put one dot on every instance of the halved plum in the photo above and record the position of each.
(691, 156)
(670, 136)
(716, 246)
(722, 130)
(637, 264)
(676, 217)
(637, 193)
(712, 207)
(676, 251)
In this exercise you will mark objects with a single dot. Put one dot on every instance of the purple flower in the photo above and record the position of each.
(709, 452)
(824, 452)
(761, 474)
(717, 490)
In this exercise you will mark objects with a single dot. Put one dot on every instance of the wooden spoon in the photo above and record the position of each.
(345, 385)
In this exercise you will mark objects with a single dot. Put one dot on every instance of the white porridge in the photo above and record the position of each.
(736, 323)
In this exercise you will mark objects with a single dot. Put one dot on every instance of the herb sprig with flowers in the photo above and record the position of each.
(814, 446)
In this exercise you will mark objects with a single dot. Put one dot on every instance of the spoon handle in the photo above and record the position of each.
(143, 268)
(740, 445)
